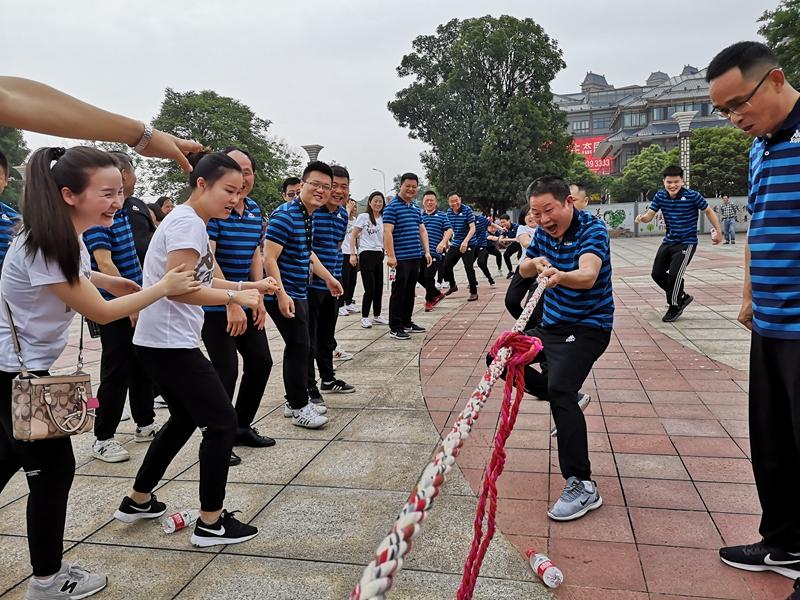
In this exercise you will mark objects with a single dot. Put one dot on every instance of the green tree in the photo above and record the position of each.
(13, 145)
(720, 161)
(217, 122)
(781, 28)
(481, 99)
(578, 172)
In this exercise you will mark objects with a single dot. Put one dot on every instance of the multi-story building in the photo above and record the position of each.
(610, 125)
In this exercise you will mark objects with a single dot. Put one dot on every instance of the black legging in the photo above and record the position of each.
(349, 280)
(196, 399)
(495, 251)
(50, 467)
(482, 257)
(513, 248)
(371, 263)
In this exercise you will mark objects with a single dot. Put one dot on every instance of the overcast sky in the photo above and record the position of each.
(323, 71)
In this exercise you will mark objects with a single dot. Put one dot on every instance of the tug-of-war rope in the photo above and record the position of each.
(512, 351)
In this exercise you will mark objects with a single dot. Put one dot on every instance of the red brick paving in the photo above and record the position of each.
(670, 458)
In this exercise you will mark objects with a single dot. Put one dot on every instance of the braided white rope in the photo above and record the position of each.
(376, 579)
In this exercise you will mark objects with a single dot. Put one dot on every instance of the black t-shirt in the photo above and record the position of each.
(141, 225)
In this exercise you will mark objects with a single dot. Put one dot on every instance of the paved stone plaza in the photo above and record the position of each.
(668, 440)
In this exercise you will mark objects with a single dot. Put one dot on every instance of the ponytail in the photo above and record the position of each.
(46, 217)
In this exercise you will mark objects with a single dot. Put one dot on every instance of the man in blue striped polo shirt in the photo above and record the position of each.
(405, 242)
(328, 228)
(508, 240)
(461, 247)
(113, 252)
(748, 87)
(231, 330)
(571, 249)
(481, 243)
(439, 230)
(8, 216)
(680, 207)
(289, 259)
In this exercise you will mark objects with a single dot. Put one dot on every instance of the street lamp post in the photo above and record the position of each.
(384, 178)
(684, 120)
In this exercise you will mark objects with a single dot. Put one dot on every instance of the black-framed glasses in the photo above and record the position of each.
(319, 186)
(741, 107)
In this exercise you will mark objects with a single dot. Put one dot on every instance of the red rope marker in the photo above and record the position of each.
(511, 352)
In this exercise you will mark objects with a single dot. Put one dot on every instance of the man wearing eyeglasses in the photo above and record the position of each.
(291, 188)
(748, 87)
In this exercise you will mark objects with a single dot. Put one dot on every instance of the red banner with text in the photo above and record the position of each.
(586, 146)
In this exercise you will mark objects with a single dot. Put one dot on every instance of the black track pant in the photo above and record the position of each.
(493, 250)
(775, 437)
(570, 353)
(513, 248)
(224, 350)
(197, 400)
(297, 349)
(349, 280)
(49, 466)
(401, 300)
(468, 258)
(427, 277)
(481, 257)
(669, 267)
(120, 372)
(322, 316)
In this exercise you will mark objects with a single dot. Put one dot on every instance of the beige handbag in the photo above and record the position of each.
(51, 406)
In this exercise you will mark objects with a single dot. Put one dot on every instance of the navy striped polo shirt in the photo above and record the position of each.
(237, 238)
(435, 224)
(511, 232)
(680, 214)
(119, 240)
(481, 229)
(460, 221)
(287, 227)
(327, 234)
(406, 218)
(774, 235)
(564, 306)
(8, 220)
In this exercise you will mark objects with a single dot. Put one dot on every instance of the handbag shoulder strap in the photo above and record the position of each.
(80, 345)
(15, 340)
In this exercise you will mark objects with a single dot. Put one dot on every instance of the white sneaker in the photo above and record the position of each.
(110, 451)
(353, 307)
(146, 434)
(438, 286)
(342, 355)
(366, 322)
(71, 581)
(159, 402)
(379, 320)
(320, 409)
(308, 417)
(343, 312)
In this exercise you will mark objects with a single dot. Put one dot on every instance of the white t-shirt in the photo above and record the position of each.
(371, 237)
(166, 323)
(526, 230)
(346, 241)
(41, 319)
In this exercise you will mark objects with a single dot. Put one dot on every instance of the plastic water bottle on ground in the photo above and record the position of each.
(180, 520)
(392, 273)
(546, 570)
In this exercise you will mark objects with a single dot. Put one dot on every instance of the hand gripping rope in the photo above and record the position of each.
(512, 351)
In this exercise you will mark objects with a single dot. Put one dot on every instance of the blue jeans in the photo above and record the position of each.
(729, 229)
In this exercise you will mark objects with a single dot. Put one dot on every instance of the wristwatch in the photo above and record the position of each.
(230, 297)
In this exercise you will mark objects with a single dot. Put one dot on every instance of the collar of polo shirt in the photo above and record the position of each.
(787, 129)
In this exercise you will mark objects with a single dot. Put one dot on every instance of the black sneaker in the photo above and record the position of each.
(130, 512)
(451, 290)
(337, 386)
(234, 460)
(795, 595)
(399, 334)
(314, 395)
(414, 328)
(672, 314)
(510, 275)
(760, 557)
(227, 530)
(249, 436)
(685, 301)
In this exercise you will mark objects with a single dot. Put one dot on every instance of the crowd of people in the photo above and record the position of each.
(163, 280)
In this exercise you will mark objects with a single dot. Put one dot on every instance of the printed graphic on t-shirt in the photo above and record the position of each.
(204, 272)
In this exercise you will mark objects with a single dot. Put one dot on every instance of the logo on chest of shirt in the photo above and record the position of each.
(5, 217)
(795, 139)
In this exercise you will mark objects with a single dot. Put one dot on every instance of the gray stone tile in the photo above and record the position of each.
(185, 459)
(92, 501)
(314, 523)
(402, 426)
(367, 465)
(16, 562)
(255, 578)
(444, 542)
(280, 427)
(362, 376)
(276, 465)
(16, 488)
(182, 495)
(406, 397)
(368, 360)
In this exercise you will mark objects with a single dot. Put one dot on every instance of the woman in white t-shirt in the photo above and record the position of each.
(367, 237)
(169, 333)
(46, 279)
